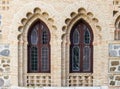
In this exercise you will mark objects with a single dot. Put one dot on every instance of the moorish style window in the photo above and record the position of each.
(38, 48)
(81, 48)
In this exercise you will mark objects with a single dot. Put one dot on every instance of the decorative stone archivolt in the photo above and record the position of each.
(82, 14)
(30, 15)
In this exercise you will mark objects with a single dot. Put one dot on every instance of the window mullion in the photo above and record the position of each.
(81, 57)
(39, 48)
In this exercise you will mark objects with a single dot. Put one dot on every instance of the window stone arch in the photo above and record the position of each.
(25, 78)
(69, 23)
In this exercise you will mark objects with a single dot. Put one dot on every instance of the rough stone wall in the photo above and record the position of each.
(113, 73)
(55, 13)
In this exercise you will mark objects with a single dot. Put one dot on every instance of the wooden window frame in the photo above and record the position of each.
(81, 46)
(39, 46)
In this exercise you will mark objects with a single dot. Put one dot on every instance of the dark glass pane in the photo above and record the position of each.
(86, 58)
(76, 37)
(34, 37)
(87, 37)
(44, 59)
(34, 59)
(44, 37)
(75, 59)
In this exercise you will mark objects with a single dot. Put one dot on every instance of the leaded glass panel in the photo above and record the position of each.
(34, 37)
(44, 61)
(86, 58)
(44, 37)
(34, 59)
(75, 59)
(87, 37)
(76, 36)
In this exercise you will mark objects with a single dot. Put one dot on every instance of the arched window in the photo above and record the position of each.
(117, 31)
(81, 48)
(38, 48)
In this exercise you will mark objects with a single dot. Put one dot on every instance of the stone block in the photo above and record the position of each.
(112, 69)
(6, 65)
(1, 82)
(111, 77)
(112, 83)
(118, 68)
(114, 50)
(117, 78)
(1, 70)
(114, 63)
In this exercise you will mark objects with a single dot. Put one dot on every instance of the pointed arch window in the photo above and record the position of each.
(38, 48)
(117, 31)
(81, 48)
